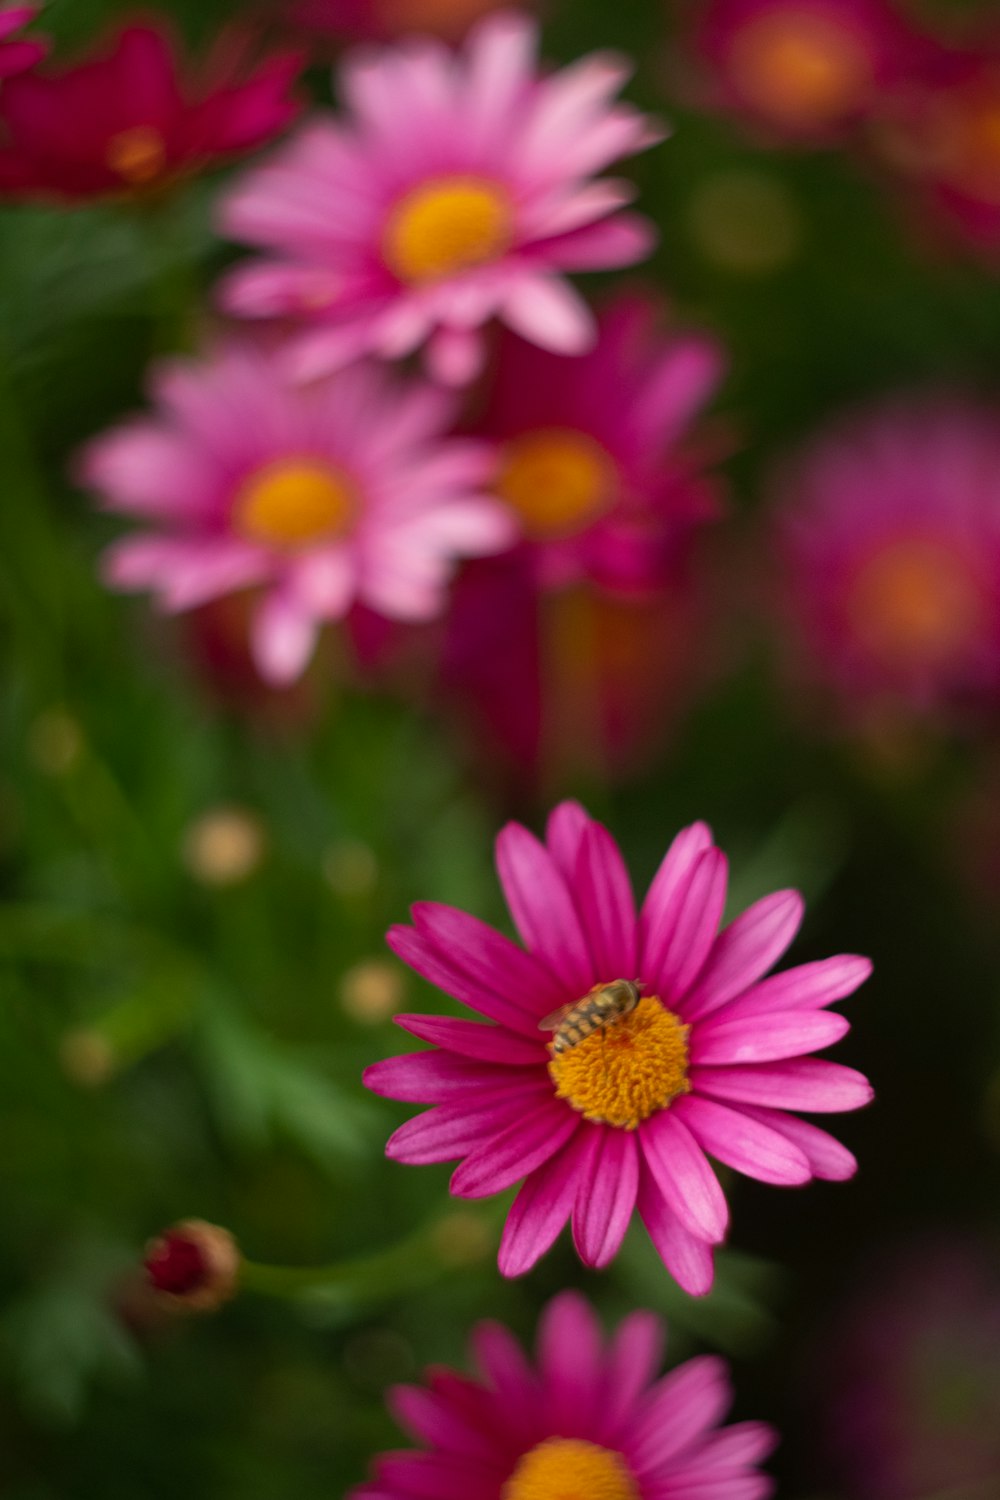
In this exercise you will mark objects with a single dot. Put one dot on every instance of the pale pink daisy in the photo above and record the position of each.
(586, 1419)
(457, 190)
(316, 497)
(709, 1062)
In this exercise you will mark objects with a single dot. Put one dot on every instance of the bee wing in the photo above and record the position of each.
(552, 1021)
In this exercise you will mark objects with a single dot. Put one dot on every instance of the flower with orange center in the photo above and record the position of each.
(800, 68)
(916, 601)
(447, 226)
(624, 1072)
(293, 503)
(558, 481)
(587, 1419)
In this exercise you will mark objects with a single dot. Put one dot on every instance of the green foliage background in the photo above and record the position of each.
(234, 1090)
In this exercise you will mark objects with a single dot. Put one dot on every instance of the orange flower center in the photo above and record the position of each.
(916, 602)
(799, 68)
(292, 503)
(137, 155)
(557, 480)
(447, 226)
(570, 1469)
(624, 1072)
(964, 143)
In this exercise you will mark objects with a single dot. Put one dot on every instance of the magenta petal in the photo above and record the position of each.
(427, 1476)
(808, 1083)
(634, 1357)
(472, 1039)
(570, 1363)
(564, 834)
(678, 1410)
(745, 950)
(724, 1486)
(448, 1132)
(733, 1039)
(436, 1077)
(743, 1143)
(808, 986)
(697, 921)
(490, 959)
(743, 1444)
(542, 909)
(604, 899)
(541, 1209)
(827, 1158)
(689, 1260)
(684, 1177)
(434, 1421)
(516, 1152)
(427, 960)
(607, 1195)
(510, 1375)
(658, 917)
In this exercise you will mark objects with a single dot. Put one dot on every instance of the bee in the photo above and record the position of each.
(602, 1006)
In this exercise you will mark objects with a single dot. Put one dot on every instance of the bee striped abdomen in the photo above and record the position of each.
(604, 1004)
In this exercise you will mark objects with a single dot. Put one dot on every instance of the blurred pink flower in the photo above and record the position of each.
(710, 1060)
(127, 121)
(18, 55)
(806, 70)
(383, 20)
(317, 496)
(587, 1420)
(888, 528)
(459, 189)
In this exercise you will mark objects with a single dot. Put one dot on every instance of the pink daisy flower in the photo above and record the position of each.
(318, 497)
(18, 55)
(889, 530)
(706, 1057)
(584, 1420)
(459, 189)
(806, 70)
(127, 121)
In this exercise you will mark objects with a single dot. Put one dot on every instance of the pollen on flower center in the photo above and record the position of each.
(798, 68)
(557, 480)
(916, 602)
(624, 1072)
(447, 225)
(570, 1469)
(138, 155)
(292, 503)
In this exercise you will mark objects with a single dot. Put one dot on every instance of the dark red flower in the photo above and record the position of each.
(129, 121)
(19, 55)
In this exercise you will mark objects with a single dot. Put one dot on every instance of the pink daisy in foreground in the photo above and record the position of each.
(584, 1421)
(458, 189)
(807, 70)
(16, 54)
(710, 1059)
(318, 497)
(888, 527)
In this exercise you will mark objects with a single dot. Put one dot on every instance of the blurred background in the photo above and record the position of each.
(198, 870)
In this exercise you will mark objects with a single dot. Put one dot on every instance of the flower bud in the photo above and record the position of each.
(194, 1266)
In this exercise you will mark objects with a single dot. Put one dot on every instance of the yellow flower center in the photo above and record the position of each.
(138, 155)
(557, 480)
(799, 69)
(624, 1072)
(293, 503)
(570, 1469)
(445, 226)
(916, 602)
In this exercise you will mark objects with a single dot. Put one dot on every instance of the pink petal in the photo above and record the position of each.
(743, 1143)
(424, 956)
(541, 1208)
(542, 909)
(632, 1361)
(621, 241)
(488, 958)
(471, 1039)
(283, 637)
(322, 582)
(507, 1369)
(745, 950)
(146, 470)
(827, 1158)
(516, 1152)
(684, 1177)
(606, 905)
(743, 1444)
(455, 356)
(436, 1077)
(661, 907)
(500, 52)
(688, 1259)
(805, 1083)
(607, 1195)
(678, 1409)
(448, 1132)
(433, 1420)
(564, 832)
(766, 1039)
(546, 311)
(570, 1362)
(809, 985)
(697, 923)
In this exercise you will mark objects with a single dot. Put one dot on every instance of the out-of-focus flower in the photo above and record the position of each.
(889, 530)
(746, 222)
(585, 1420)
(129, 122)
(16, 54)
(606, 1118)
(941, 131)
(804, 70)
(915, 1366)
(571, 643)
(383, 20)
(194, 1266)
(224, 846)
(316, 496)
(372, 991)
(458, 190)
